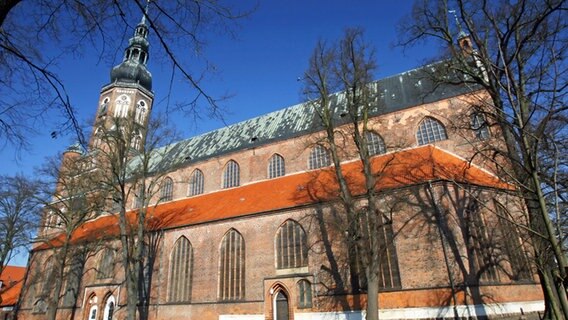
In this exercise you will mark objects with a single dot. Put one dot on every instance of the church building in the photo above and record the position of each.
(246, 228)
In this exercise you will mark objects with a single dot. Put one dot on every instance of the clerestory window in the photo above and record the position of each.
(430, 130)
(319, 157)
(375, 144)
(276, 166)
(196, 182)
(231, 175)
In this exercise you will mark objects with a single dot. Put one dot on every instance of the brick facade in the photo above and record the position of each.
(434, 267)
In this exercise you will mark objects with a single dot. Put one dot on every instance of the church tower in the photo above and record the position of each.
(127, 100)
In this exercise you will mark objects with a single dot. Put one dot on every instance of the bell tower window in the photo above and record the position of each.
(141, 110)
(104, 107)
(121, 106)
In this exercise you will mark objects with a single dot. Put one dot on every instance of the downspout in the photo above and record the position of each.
(438, 213)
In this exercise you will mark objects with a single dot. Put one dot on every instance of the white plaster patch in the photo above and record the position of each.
(415, 313)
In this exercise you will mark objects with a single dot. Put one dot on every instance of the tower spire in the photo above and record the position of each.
(143, 21)
(133, 67)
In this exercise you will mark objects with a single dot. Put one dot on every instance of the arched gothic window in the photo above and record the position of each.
(121, 106)
(512, 245)
(97, 137)
(276, 166)
(141, 110)
(388, 273)
(138, 198)
(304, 294)
(375, 144)
(196, 183)
(319, 157)
(291, 246)
(231, 175)
(109, 308)
(45, 279)
(167, 189)
(93, 313)
(232, 266)
(479, 242)
(180, 271)
(136, 142)
(106, 264)
(430, 130)
(104, 107)
(479, 125)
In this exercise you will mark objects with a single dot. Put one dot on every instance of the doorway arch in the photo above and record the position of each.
(281, 305)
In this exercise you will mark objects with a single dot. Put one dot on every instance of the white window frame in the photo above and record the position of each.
(109, 300)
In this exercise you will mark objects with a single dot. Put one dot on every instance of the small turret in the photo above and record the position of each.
(74, 150)
(464, 41)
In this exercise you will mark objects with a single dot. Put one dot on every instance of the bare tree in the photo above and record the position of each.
(19, 210)
(29, 59)
(133, 181)
(516, 53)
(76, 199)
(347, 67)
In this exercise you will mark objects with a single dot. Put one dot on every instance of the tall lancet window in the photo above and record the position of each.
(180, 271)
(196, 183)
(104, 107)
(136, 141)
(121, 106)
(291, 246)
(232, 267)
(141, 110)
(231, 175)
(276, 166)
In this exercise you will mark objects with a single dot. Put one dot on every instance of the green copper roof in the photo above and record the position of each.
(396, 93)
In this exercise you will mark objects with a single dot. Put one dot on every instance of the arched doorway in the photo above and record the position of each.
(280, 306)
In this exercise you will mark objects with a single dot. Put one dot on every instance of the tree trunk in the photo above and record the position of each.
(372, 295)
(552, 310)
(58, 281)
(536, 207)
(132, 295)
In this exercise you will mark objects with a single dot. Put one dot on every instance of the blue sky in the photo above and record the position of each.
(260, 67)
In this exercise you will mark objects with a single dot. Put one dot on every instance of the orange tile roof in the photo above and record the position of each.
(12, 274)
(11, 295)
(403, 168)
(12, 277)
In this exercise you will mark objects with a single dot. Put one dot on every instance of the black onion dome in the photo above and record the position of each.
(132, 72)
(133, 68)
